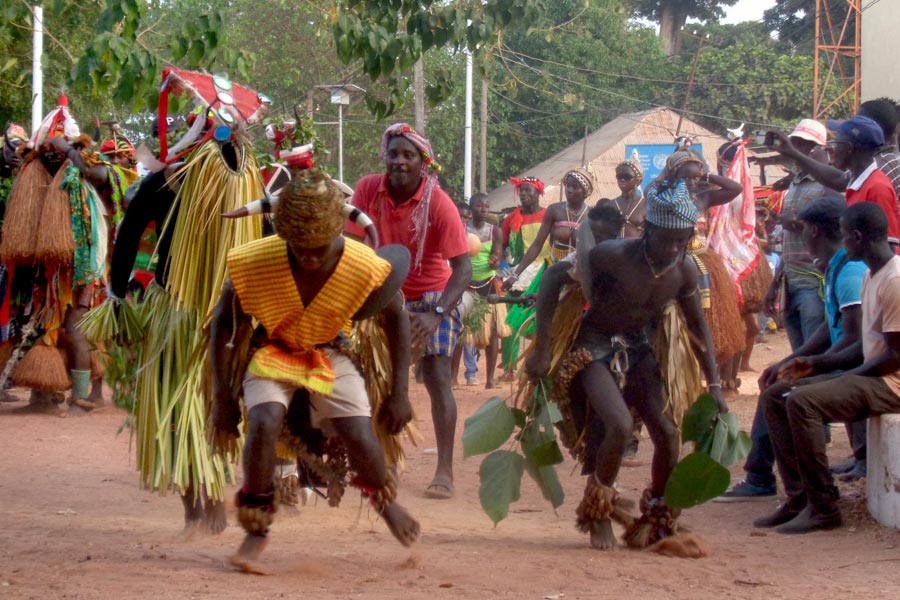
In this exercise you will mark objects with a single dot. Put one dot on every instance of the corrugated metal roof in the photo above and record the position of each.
(604, 149)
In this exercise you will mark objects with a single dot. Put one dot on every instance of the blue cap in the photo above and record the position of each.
(862, 131)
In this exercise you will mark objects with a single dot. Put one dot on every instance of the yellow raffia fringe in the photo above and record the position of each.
(566, 324)
(173, 450)
(200, 236)
(678, 364)
(371, 345)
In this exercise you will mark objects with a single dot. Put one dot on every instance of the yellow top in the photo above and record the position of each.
(265, 286)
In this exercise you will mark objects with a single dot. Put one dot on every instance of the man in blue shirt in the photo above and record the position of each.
(821, 233)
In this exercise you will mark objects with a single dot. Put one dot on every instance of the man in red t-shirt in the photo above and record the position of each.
(853, 167)
(853, 149)
(409, 208)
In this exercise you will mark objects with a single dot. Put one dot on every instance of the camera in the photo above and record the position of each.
(764, 138)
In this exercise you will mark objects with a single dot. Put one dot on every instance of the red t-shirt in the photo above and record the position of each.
(878, 188)
(445, 238)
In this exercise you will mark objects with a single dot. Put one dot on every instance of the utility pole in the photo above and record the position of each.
(701, 40)
(419, 96)
(37, 71)
(482, 183)
(467, 158)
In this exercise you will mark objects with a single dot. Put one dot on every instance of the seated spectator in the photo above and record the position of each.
(820, 230)
(796, 418)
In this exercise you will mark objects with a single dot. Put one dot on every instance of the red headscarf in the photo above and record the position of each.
(532, 181)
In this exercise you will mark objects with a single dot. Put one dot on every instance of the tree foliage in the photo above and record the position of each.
(389, 37)
(68, 26)
(673, 14)
(134, 38)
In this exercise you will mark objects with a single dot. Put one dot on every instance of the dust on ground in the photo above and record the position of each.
(75, 525)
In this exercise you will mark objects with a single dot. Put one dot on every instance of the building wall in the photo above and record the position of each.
(880, 75)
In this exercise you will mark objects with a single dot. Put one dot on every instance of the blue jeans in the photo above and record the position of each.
(470, 359)
(760, 464)
(804, 313)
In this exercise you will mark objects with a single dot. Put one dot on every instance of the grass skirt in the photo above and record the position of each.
(724, 316)
(170, 411)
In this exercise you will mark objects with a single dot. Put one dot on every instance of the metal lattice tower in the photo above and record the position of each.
(837, 44)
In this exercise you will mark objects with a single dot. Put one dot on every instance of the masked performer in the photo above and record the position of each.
(78, 216)
(210, 170)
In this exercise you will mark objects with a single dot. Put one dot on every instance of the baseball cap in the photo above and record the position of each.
(862, 131)
(812, 130)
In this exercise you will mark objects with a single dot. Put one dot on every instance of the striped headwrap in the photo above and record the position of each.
(430, 169)
(584, 179)
(669, 203)
(671, 207)
(532, 181)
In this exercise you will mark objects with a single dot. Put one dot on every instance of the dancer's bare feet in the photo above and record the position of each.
(214, 515)
(602, 537)
(245, 559)
(404, 527)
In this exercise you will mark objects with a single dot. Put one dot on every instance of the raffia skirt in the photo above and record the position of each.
(723, 316)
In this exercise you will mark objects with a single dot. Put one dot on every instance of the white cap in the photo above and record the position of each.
(812, 130)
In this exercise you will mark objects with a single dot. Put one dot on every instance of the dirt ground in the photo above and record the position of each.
(73, 524)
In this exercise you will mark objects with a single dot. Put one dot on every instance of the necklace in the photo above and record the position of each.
(657, 274)
(580, 215)
(630, 212)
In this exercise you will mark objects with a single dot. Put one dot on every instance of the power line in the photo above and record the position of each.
(640, 78)
(626, 97)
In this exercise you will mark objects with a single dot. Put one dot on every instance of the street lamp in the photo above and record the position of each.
(340, 95)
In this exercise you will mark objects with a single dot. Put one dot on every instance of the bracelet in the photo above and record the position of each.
(714, 385)
(514, 276)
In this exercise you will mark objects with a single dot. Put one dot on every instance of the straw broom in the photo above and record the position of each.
(55, 243)
(23, 210)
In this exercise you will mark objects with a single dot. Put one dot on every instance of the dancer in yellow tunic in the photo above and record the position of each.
(303, 287)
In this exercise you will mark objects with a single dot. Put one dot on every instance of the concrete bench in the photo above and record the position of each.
(883, 477)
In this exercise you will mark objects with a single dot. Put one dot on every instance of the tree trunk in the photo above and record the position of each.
(419, 85)
(671, 22)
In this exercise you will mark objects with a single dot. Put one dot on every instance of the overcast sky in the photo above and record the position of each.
(747, 10)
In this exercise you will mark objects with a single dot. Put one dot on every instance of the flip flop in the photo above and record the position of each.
(439, 489)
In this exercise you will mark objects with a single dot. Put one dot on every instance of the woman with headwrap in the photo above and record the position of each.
(560, 222)
(630, 203)
(520, 230)
(718, 297)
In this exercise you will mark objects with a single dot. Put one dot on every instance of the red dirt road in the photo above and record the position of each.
(74, 525)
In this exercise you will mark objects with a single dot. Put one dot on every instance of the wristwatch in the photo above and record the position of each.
(440, 310)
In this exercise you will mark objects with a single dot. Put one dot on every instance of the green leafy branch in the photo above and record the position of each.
(118, 59)
(389, 37)
(533, 448)
(718, 443)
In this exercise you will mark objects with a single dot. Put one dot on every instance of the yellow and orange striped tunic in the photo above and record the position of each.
(265, 286)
